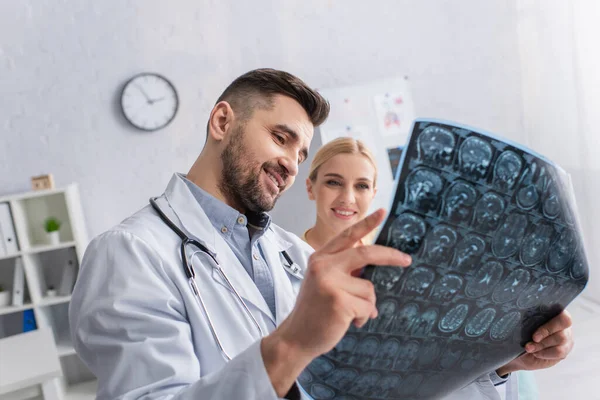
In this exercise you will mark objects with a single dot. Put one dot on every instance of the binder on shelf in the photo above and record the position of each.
(7, 230)
(29, 321)
(18, 283)
(67, 279)
(2, 248)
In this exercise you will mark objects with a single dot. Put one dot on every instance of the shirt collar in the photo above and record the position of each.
(222, 216)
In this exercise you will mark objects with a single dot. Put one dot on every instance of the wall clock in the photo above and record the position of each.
(149, 101)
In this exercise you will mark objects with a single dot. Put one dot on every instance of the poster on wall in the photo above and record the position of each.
(380, 114)
(497, 251)
(391, 113)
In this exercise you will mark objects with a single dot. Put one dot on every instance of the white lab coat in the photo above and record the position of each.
(137, 325)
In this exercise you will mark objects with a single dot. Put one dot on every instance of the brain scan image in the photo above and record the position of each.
(468, 253)
(387, 385)
(386, 278)
(485, 279)
(534, 180)
(407, 354)
(423, 189)
(344, 349)
(365, 351)
(446, 288)
(579, 269)
(405, 318)
(366, 383)
(418, 281)
(504, 327)
(561, 252)
(387, 353)
(536, 244)
(436, 146)
(320, 367)
(496, 251)
(480, 322)
(305, 377)
(512, 286)
(439, 244)
(342, 378)
(488, 212)
(423, 325)
(551, 203)
(474, 157)
(454, 318)
(383, 322)
(459, 202)
(537, 293)
(507, 239)
(406, 233)
(319, 391)
(507, 170)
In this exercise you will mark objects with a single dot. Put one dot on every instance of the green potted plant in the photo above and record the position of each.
(4, 297)
(52, 228)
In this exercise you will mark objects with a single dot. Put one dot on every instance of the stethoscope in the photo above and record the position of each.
(188, 268)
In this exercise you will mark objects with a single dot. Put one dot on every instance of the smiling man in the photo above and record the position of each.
(199, 295)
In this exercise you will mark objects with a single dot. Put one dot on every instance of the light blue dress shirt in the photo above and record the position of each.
(241, 232)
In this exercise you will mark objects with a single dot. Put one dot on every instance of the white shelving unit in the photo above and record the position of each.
(45, 266)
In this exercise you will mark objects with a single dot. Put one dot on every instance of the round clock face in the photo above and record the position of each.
(149, 101)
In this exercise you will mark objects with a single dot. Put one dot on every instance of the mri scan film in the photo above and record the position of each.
(497, 252)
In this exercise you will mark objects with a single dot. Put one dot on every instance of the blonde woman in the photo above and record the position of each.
(342, 182)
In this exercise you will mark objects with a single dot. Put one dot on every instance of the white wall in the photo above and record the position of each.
(561, 99)
(62, 64)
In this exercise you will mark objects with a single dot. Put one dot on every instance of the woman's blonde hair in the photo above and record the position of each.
(342, 145)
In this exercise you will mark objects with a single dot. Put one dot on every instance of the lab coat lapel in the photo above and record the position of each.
(285, 299)
(196, 224)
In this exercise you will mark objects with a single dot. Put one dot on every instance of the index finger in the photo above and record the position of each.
(559, 323)
(349, 236)
(357, 258)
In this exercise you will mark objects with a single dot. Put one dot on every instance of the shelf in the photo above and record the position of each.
(45, 267)
(14, 309)
(32, 194)
(9, 256)
(39, 249)
(50, 301)
(44, 248)
(65, 349)
(82, 391)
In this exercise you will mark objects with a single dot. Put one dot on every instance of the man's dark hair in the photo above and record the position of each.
(255, 89)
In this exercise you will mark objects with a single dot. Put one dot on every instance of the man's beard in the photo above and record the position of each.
(241, 177)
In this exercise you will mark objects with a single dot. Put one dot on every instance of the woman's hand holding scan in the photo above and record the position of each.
(330, 299)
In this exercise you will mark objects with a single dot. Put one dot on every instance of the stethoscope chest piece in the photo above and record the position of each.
(294, 270)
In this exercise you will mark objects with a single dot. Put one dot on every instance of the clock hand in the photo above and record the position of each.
(152, 101)
(144, 93)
